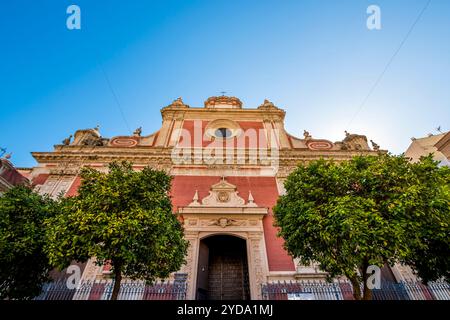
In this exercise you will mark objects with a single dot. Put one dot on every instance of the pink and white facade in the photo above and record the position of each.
(228, 165)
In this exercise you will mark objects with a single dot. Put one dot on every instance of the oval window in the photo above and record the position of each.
(223, 133)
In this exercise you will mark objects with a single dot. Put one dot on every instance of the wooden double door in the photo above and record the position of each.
(223, 269)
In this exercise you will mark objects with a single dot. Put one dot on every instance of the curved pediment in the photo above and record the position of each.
(223, 194)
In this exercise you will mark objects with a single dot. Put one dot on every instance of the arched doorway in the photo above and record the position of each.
(222, 269)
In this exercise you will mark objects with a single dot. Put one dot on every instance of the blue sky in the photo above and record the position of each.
(315, 59)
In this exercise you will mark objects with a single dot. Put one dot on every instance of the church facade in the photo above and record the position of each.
(228, 165)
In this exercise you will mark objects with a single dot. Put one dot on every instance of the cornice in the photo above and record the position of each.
(212, 113)
(144, 154)
(223, 210)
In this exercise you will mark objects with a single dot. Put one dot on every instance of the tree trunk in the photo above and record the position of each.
(117, 280)
(367, 293)
(356, 288)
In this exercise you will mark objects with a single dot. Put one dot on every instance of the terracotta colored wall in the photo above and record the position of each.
(73, 190)
(40, 179)
(10, 174)
(188, 125)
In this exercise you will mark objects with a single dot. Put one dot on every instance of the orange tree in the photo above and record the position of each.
(123, 217)
(24, 266)
(370, 210)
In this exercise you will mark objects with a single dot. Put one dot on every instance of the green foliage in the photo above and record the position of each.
(123, 217)
(24, 267)
(430, 230)
(368, 211)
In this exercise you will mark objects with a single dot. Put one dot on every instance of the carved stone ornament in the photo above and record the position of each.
(225, 222)
(267, 105)
(354, 142)
(222, 194)
(223, 101)
(124, 142)
(89, 137)
(178, 103)
(318, 144)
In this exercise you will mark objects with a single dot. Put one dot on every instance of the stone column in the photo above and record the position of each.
(190, 267)
(257, 266)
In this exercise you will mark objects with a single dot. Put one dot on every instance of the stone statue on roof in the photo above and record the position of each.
(307, 135)
(137, 132)
(375, 146)
(66, 141)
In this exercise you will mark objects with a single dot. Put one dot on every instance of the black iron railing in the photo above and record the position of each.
(129, 290)
(343, 290)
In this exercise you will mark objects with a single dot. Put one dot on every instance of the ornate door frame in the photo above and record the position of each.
(199, 226)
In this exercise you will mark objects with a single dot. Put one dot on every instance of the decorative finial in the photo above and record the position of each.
(195, 198)
(346, 133)
(66, 141)
(8, 156)
(250, 197)
(375, 146)
(137, 132)
(251, 201)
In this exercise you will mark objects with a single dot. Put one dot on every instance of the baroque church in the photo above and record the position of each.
(228, 165)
